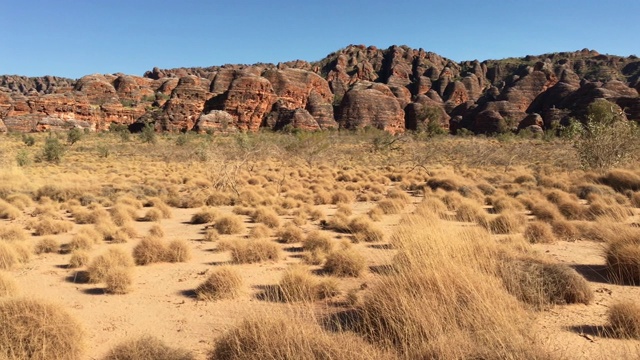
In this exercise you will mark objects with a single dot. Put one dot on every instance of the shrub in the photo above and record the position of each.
(253, 251)
(37, 330)
(229, 224)
(539, 232)
(46, 245)
(153, 214)
(364, 230)
(624, 319)
(345, 263)
(53, 150)
(78, 258)
(147, 347)
(150, 250)
(205, 215)
(341, 197)
(223, 283)
(538, 283)
(9, 211)
(623, 260)
(318, 241)
(8, 286)
(122, 213)
(298, 284)
(102, 265)
(391, 206)
(266, 216)
(211, 235)
(156, 231)
(74, 135)
(12, 233)
(178, 251)
(148, 134)
(50, 226)
(290, 234)
(81, 242)
(8, 256)
(507, 223)
(289, 339)
(118, 281)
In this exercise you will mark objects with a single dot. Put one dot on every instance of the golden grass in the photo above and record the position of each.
(79, 258)
(46, 245)
(229, 225)
(290, 234)
(178, 250)
(283, 338)
(12, 233)
(50, 226)
(623, 260)
(253, 251)
(146, 348)
(539, 232)
(38, 330)
(9, 211)
(204, 216)
(624, 319)
(222, 283)
(8, 286)
(102, 265)
(345, 263)
(150, 250)
(298, 284)
(8, 256)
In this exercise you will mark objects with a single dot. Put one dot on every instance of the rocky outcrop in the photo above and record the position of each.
(248, 100)
(370, 104)
(393, 89)
(216, 121)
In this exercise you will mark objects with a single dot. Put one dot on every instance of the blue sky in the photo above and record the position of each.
(73, 38)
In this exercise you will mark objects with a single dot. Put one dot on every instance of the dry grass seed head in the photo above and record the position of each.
(298, 284)
(391, 206)
(507, 223)
(623, 260)
(365, 230)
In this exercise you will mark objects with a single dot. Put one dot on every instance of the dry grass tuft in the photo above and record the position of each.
(539, 283)
(9, 211)
(150, 250)
(364, 229)
(259, 231)
(152, 214)
(122, 213)
(37, 330)
(317, 241)
(391, 206)
(268, 338)
(345, 263)
(156, 231)
(290, 234)
(78, 258)
(102, 265)
(253, 251)
(47, 245)
(222, 283)
(50, 226)
(118, 281)
(624, 319)
(621, 180)
(8, 286)
(146, 348)
(204, 216)
(229, 224)
(266, 216)
(12, 233)
(211, 235)
(507, 223)
(623, 260)
(298, 284)
(539, 232)
(178, 251)
(8, 256)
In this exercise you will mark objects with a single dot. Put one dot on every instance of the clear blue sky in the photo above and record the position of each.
(73, 38)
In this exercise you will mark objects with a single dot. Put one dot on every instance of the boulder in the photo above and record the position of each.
(282, 117)
(249, 99)
(531, 120)
(186, 104)
(489, 122)
(369, 104)
(216, 121)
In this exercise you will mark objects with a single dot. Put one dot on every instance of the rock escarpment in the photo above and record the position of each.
(393, 89)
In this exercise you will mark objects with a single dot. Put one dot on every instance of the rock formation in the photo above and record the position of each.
(392, 89)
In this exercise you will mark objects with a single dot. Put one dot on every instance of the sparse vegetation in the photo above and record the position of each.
(222, 283)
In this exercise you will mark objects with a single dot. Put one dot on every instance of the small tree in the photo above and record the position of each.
(53, 150)
(608, 138)
(74, 135)
(148, 134)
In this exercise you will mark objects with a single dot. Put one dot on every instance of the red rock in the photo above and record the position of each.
(531, 120)
(248, 100)
(489, 122)
(366, 105)
(216, 121)
(186, 104)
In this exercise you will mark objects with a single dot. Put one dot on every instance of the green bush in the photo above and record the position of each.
(74, 135)
(52, 151)
(28, 140)
(148, 134)
(22, 158)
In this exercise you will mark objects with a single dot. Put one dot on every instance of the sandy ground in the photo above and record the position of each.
(162, 302)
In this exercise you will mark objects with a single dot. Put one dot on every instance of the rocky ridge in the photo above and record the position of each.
(393, 89)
